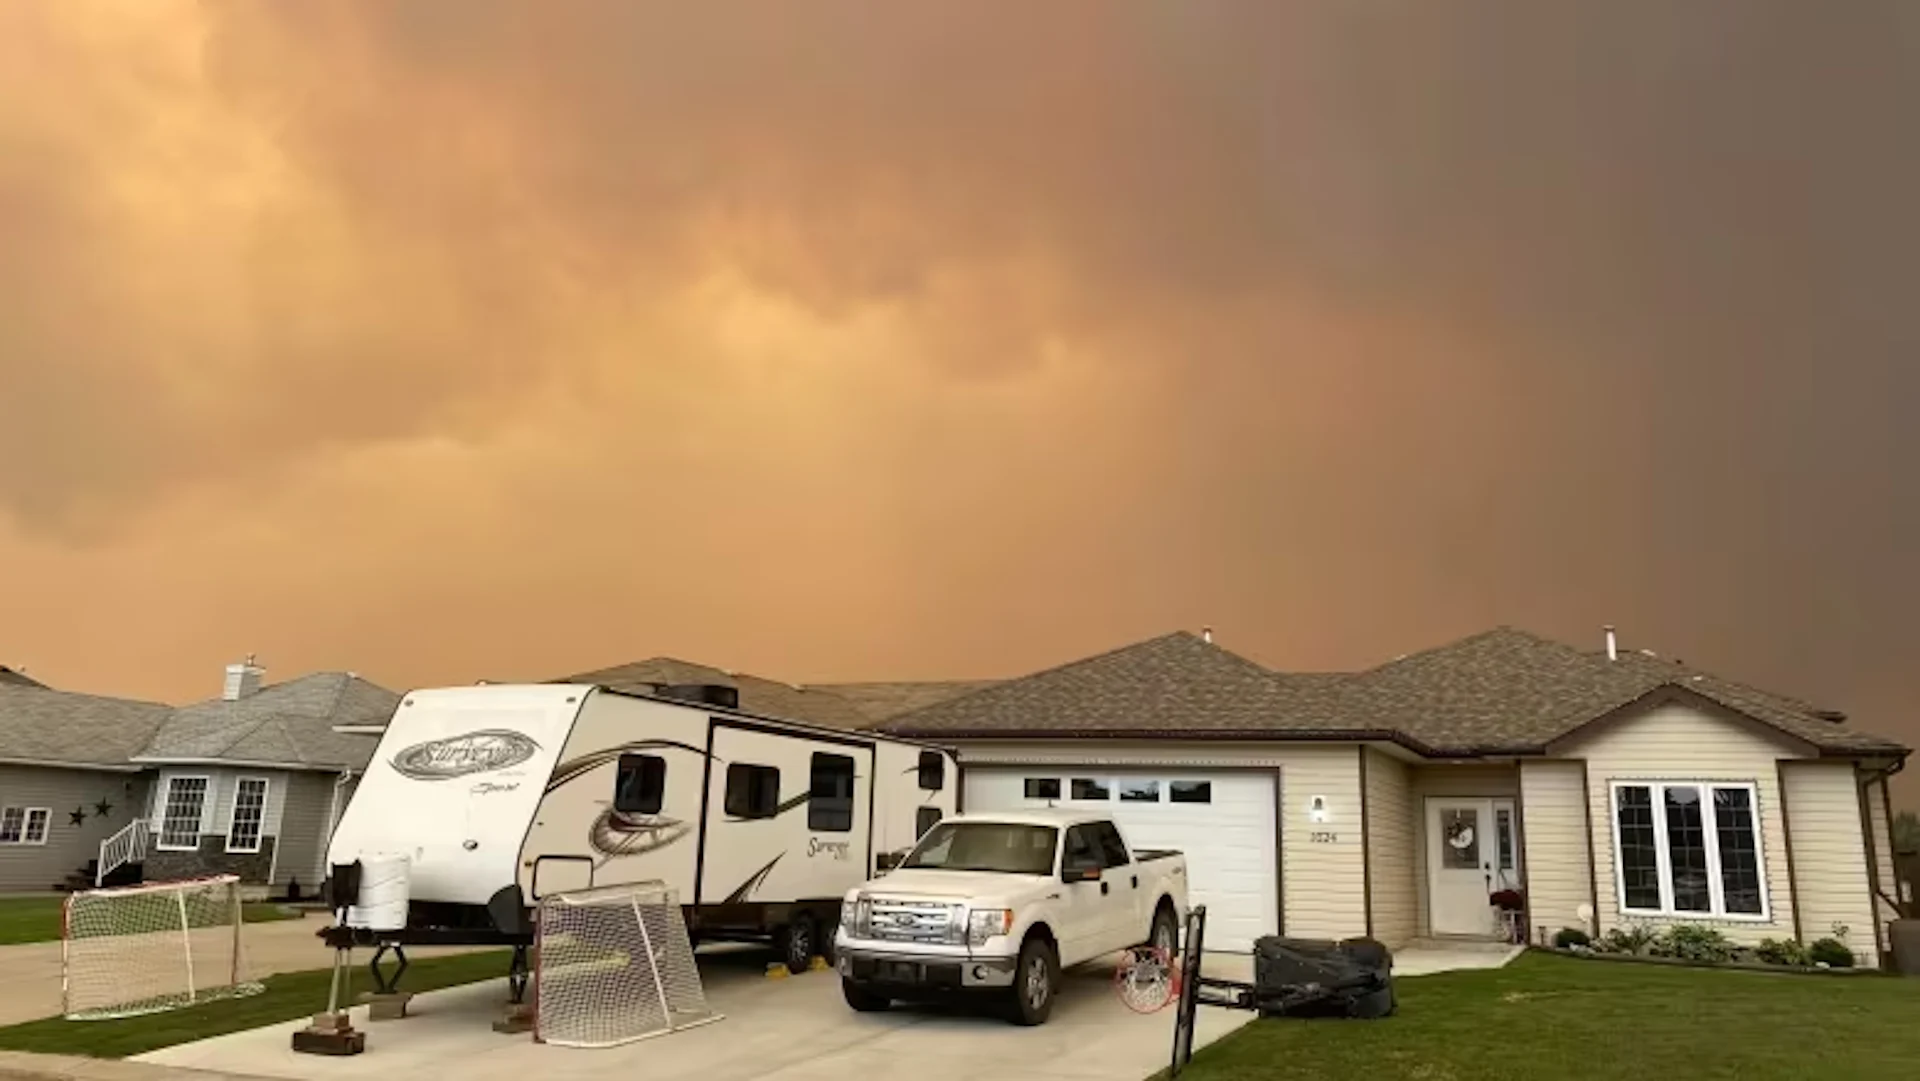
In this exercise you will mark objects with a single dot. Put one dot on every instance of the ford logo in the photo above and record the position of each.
(459, 756)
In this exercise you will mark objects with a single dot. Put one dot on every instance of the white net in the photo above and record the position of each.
(613, 965)
(144, 949)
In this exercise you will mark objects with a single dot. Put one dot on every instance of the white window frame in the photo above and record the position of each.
(1663, 859)
(233, 814)
(26, 826)
(166, 798)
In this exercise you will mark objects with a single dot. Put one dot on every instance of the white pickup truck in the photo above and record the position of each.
(1000, 903)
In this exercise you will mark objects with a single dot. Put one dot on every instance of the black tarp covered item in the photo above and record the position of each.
(1309, 977)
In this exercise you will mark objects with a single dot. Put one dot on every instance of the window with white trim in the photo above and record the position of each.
(24, 825)
(249, 815)
(1689, 849)
(180, 811)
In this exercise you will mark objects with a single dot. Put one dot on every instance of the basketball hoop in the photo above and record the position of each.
(1147, 979)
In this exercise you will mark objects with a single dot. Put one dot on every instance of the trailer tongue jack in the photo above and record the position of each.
(1292, 977)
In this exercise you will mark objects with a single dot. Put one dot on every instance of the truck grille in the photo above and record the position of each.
(916, 921)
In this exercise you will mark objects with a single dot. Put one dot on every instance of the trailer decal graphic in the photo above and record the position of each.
(459, 756)
(618, 833)
(751, 884)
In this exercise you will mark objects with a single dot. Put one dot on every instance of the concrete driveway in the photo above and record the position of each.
(786, 1029)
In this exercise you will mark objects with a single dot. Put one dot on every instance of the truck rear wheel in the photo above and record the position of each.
(1036, 977)
(1164, 934)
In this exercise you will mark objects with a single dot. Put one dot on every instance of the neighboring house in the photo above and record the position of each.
(249, 783)
(67, 780)
(1601, 788)
(10, 677)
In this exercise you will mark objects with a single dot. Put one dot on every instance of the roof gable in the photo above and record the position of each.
(289, 724)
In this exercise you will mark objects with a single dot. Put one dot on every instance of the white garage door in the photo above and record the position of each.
(1222, 820)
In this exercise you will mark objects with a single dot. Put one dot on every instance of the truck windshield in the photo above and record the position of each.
(987, 846)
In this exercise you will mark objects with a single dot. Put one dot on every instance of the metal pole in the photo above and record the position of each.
(653, 965)
(239, 917)
(186, 939)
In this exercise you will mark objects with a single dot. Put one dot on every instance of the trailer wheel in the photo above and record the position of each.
(797, 943)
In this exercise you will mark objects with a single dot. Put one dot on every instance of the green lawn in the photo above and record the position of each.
(37, 919)
(1544, 1018)
(288, 996)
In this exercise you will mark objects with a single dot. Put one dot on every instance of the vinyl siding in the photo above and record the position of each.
(1678, 743)
(303, 829)
(1829, 853)
(1554, 824)
(1390, 848)
(1322, 883)
(69, 847)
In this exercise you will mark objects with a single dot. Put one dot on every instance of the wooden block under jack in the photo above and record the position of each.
(515, 1019)
(820, 964)
(330, 1034)
(387, 1007)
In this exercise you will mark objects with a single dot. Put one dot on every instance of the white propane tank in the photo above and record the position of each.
(382, 902)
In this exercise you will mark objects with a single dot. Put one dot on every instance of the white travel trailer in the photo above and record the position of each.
(497, 795)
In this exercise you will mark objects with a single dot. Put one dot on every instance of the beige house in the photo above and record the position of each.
(1587, 789)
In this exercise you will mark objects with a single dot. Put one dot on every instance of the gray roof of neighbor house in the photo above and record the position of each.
(1503, 691)
(10, 677)
(757, 694)
(287, 724)
(885, 701)
(58, 727)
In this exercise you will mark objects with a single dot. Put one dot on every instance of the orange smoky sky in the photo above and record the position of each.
(449, 340)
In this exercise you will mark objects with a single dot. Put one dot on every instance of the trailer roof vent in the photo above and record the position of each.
(706, 694)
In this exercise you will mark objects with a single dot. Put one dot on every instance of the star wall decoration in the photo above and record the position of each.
(103, 808)
(77, 816)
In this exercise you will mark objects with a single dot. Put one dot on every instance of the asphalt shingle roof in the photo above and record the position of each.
(885, 701)
(11, 678)
(287, 723)
(1502, 691)
(767, 697)
(42, 725)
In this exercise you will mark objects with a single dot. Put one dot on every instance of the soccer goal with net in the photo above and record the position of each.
(613, 965)
(143, 949)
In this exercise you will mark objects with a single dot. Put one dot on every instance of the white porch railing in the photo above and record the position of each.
(129, 845)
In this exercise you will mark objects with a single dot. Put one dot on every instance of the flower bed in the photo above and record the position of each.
(1695, 946)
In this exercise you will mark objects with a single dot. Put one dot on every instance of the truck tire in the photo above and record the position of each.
(861, 999)
(1036, 980)
(797, 942)
(1164, 932)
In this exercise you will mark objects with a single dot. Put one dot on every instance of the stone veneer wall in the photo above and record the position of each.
(211, 858)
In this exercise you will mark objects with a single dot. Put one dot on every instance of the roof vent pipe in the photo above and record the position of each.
(1613, 644)
(1206, 635)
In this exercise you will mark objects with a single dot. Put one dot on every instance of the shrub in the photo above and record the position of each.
(1783, 951)
(1831, 952)
(1691, 943)
(1571, 936)
(1633, 940)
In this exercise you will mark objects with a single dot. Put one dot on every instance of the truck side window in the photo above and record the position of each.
(830, 794)
(924, 819)
(1113, 850)
(1080, 848)
(933, 771)
(640, 784)
(752, 791)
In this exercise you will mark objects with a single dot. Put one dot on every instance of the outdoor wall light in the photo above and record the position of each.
(1317, 809)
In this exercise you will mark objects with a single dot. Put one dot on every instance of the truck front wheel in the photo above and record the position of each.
(861, 999)
(1035, 979)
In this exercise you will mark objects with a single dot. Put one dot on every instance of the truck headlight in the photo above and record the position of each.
(986, 923)
(857, 917)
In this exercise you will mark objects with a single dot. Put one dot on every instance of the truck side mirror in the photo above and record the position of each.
(887, 861)
(1081, 872)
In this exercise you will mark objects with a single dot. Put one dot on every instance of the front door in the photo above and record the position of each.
(1472, 853)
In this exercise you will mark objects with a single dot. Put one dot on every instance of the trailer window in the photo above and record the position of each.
(752, 791)
(640, 785)
(830, 794)
(924, 819)
(933, 771)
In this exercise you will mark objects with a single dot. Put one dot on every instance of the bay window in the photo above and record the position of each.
(1688, 849)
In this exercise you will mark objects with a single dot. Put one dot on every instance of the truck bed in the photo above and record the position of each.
(1146, 855)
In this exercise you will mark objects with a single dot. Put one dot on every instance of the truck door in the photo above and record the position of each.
(1089, 918)
(1125, 901)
